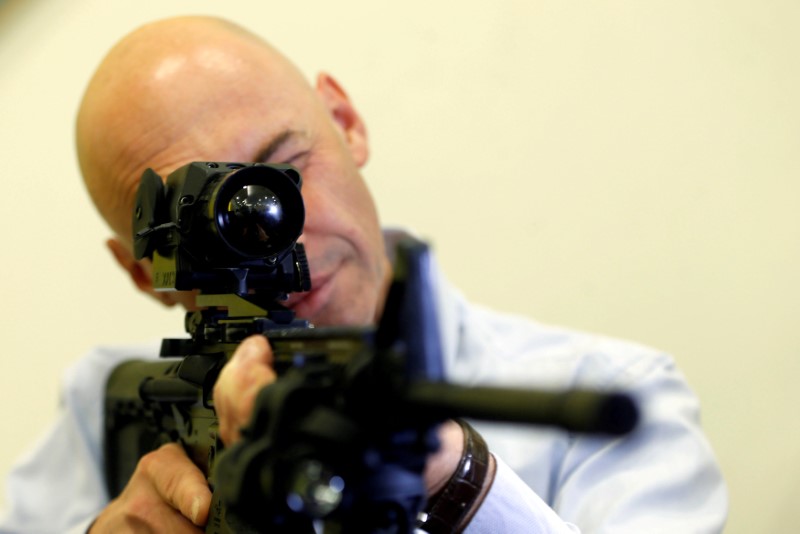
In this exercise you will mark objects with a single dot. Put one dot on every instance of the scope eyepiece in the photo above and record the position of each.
(212, 226)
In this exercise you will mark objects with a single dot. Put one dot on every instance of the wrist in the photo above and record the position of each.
(451, 508)
(443, 463)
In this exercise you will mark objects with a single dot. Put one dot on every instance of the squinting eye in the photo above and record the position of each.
(298, 160)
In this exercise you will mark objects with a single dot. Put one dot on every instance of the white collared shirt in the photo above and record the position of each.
(661, 478)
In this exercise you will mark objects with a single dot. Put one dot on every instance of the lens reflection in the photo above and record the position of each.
(255, 217)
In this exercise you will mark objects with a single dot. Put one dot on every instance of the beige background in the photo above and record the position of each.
(629, 167)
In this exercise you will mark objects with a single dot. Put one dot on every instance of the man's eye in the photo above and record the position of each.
(298, 160)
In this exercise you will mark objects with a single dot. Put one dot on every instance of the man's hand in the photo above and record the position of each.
(443, 463)
(238, 385)
(250, 369)
(167, 493)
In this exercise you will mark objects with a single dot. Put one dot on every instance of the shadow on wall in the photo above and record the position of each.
(10, 12)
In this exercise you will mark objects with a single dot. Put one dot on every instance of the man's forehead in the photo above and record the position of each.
(162, 99)
(206, 60)
(205, 118)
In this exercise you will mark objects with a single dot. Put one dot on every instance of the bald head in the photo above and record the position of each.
(154, 97)
(200, 89)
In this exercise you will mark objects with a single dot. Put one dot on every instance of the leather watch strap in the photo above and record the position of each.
(450, 510)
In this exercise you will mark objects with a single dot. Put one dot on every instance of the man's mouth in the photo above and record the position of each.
(305, 303)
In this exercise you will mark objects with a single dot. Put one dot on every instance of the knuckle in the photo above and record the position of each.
(148, 464)
(162, 469)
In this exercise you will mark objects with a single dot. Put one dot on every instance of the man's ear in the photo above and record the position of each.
(345, 116)
(139, 271)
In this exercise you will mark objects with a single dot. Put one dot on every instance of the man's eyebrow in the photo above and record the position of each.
(268, 151)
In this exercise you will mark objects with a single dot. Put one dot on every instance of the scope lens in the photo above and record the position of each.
(254, 219)
(257, 212)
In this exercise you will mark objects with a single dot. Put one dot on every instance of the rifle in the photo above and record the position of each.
(342, 436)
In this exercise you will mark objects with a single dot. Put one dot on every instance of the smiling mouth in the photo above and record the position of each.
(298, 299)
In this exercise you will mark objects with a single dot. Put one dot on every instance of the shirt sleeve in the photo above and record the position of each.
(59, 485)
(663, 477)
(512, 506)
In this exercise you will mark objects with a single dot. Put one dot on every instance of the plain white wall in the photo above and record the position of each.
(626, 167)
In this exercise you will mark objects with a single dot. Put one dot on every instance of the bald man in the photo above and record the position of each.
(198, 89)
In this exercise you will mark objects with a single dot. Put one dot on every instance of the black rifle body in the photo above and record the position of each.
(342, 436)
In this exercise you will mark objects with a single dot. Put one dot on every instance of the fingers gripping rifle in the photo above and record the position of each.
(342, 436)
